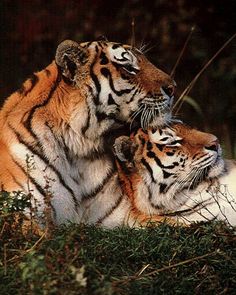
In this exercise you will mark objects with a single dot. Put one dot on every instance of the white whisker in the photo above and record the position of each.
(134, 115)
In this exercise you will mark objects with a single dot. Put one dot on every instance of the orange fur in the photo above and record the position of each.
(16, 111)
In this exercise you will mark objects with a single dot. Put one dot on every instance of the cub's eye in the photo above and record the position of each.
(130, 69)
(175, 143)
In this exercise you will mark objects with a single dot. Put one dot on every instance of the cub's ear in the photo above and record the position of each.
(69, 56)
(124, 149)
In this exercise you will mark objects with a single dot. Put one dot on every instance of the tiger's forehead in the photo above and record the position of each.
(104, 44)
(114, 49)
(164, 133)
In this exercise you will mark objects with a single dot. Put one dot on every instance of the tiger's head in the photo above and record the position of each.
(165, 161)
(121, 85)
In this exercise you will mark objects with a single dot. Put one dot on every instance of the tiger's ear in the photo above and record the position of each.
(69, 56)
(102, 38)
(124, 149)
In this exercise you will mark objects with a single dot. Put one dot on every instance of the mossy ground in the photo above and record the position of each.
(79, 259)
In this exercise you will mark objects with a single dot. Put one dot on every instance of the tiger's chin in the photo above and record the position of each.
(217, 169)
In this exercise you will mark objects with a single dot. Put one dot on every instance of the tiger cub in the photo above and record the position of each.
(54, 129)
(176, 173)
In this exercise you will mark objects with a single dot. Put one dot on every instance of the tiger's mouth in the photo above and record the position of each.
(213, 170)
(217, 168)
(154, 111)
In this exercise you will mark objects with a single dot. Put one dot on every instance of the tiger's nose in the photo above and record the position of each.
(170, 89)
(213, 146)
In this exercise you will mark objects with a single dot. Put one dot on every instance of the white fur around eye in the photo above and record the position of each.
(165, 137)
(122, 56)
(174, 143)
(128, 56)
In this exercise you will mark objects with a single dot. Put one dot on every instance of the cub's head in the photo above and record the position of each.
(118, 81)
(170, 159)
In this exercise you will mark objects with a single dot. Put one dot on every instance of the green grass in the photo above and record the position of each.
(78, 259)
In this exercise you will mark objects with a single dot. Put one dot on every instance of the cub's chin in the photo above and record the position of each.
(217, 169)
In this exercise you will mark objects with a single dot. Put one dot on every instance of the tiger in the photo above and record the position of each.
(176, 174)
(55, 130)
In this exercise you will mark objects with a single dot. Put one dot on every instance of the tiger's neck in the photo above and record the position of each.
(72, 116)
(53, 141)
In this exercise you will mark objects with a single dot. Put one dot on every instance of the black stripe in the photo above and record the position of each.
(43, 158)
(87, 44)
(162, 187)
(104, 59)
(170, 154)
(34, 80)
(87, 124)
(36, 184)
(117, 203)
(96, 48)
(155, 206)
(132, 97)
(111, 100)
(188, 211)
(166, 174)
(61, 143)
(115, 46)
(21, 90)
(145, 163)
(106, 73)
(149, 146)
(93, 155)
(157, 160)
(142, 140)
(99, 44)
(118, 67)
(28, 122)
(48, 73)
(160, 146)
(32, 180)
(103, 116)
(98, 189)
(96, 82)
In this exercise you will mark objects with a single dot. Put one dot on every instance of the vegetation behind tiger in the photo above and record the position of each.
(32, 30)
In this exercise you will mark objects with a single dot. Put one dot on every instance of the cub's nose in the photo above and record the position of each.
(213, 146)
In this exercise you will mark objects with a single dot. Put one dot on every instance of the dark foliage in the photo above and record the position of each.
(31, 30)
(87, 260)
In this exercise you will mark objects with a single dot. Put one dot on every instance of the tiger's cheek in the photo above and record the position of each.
(157, 171)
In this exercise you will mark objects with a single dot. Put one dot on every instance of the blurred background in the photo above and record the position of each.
(31, 30)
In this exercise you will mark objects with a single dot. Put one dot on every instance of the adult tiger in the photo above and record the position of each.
(176, 173)
(54, 129)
